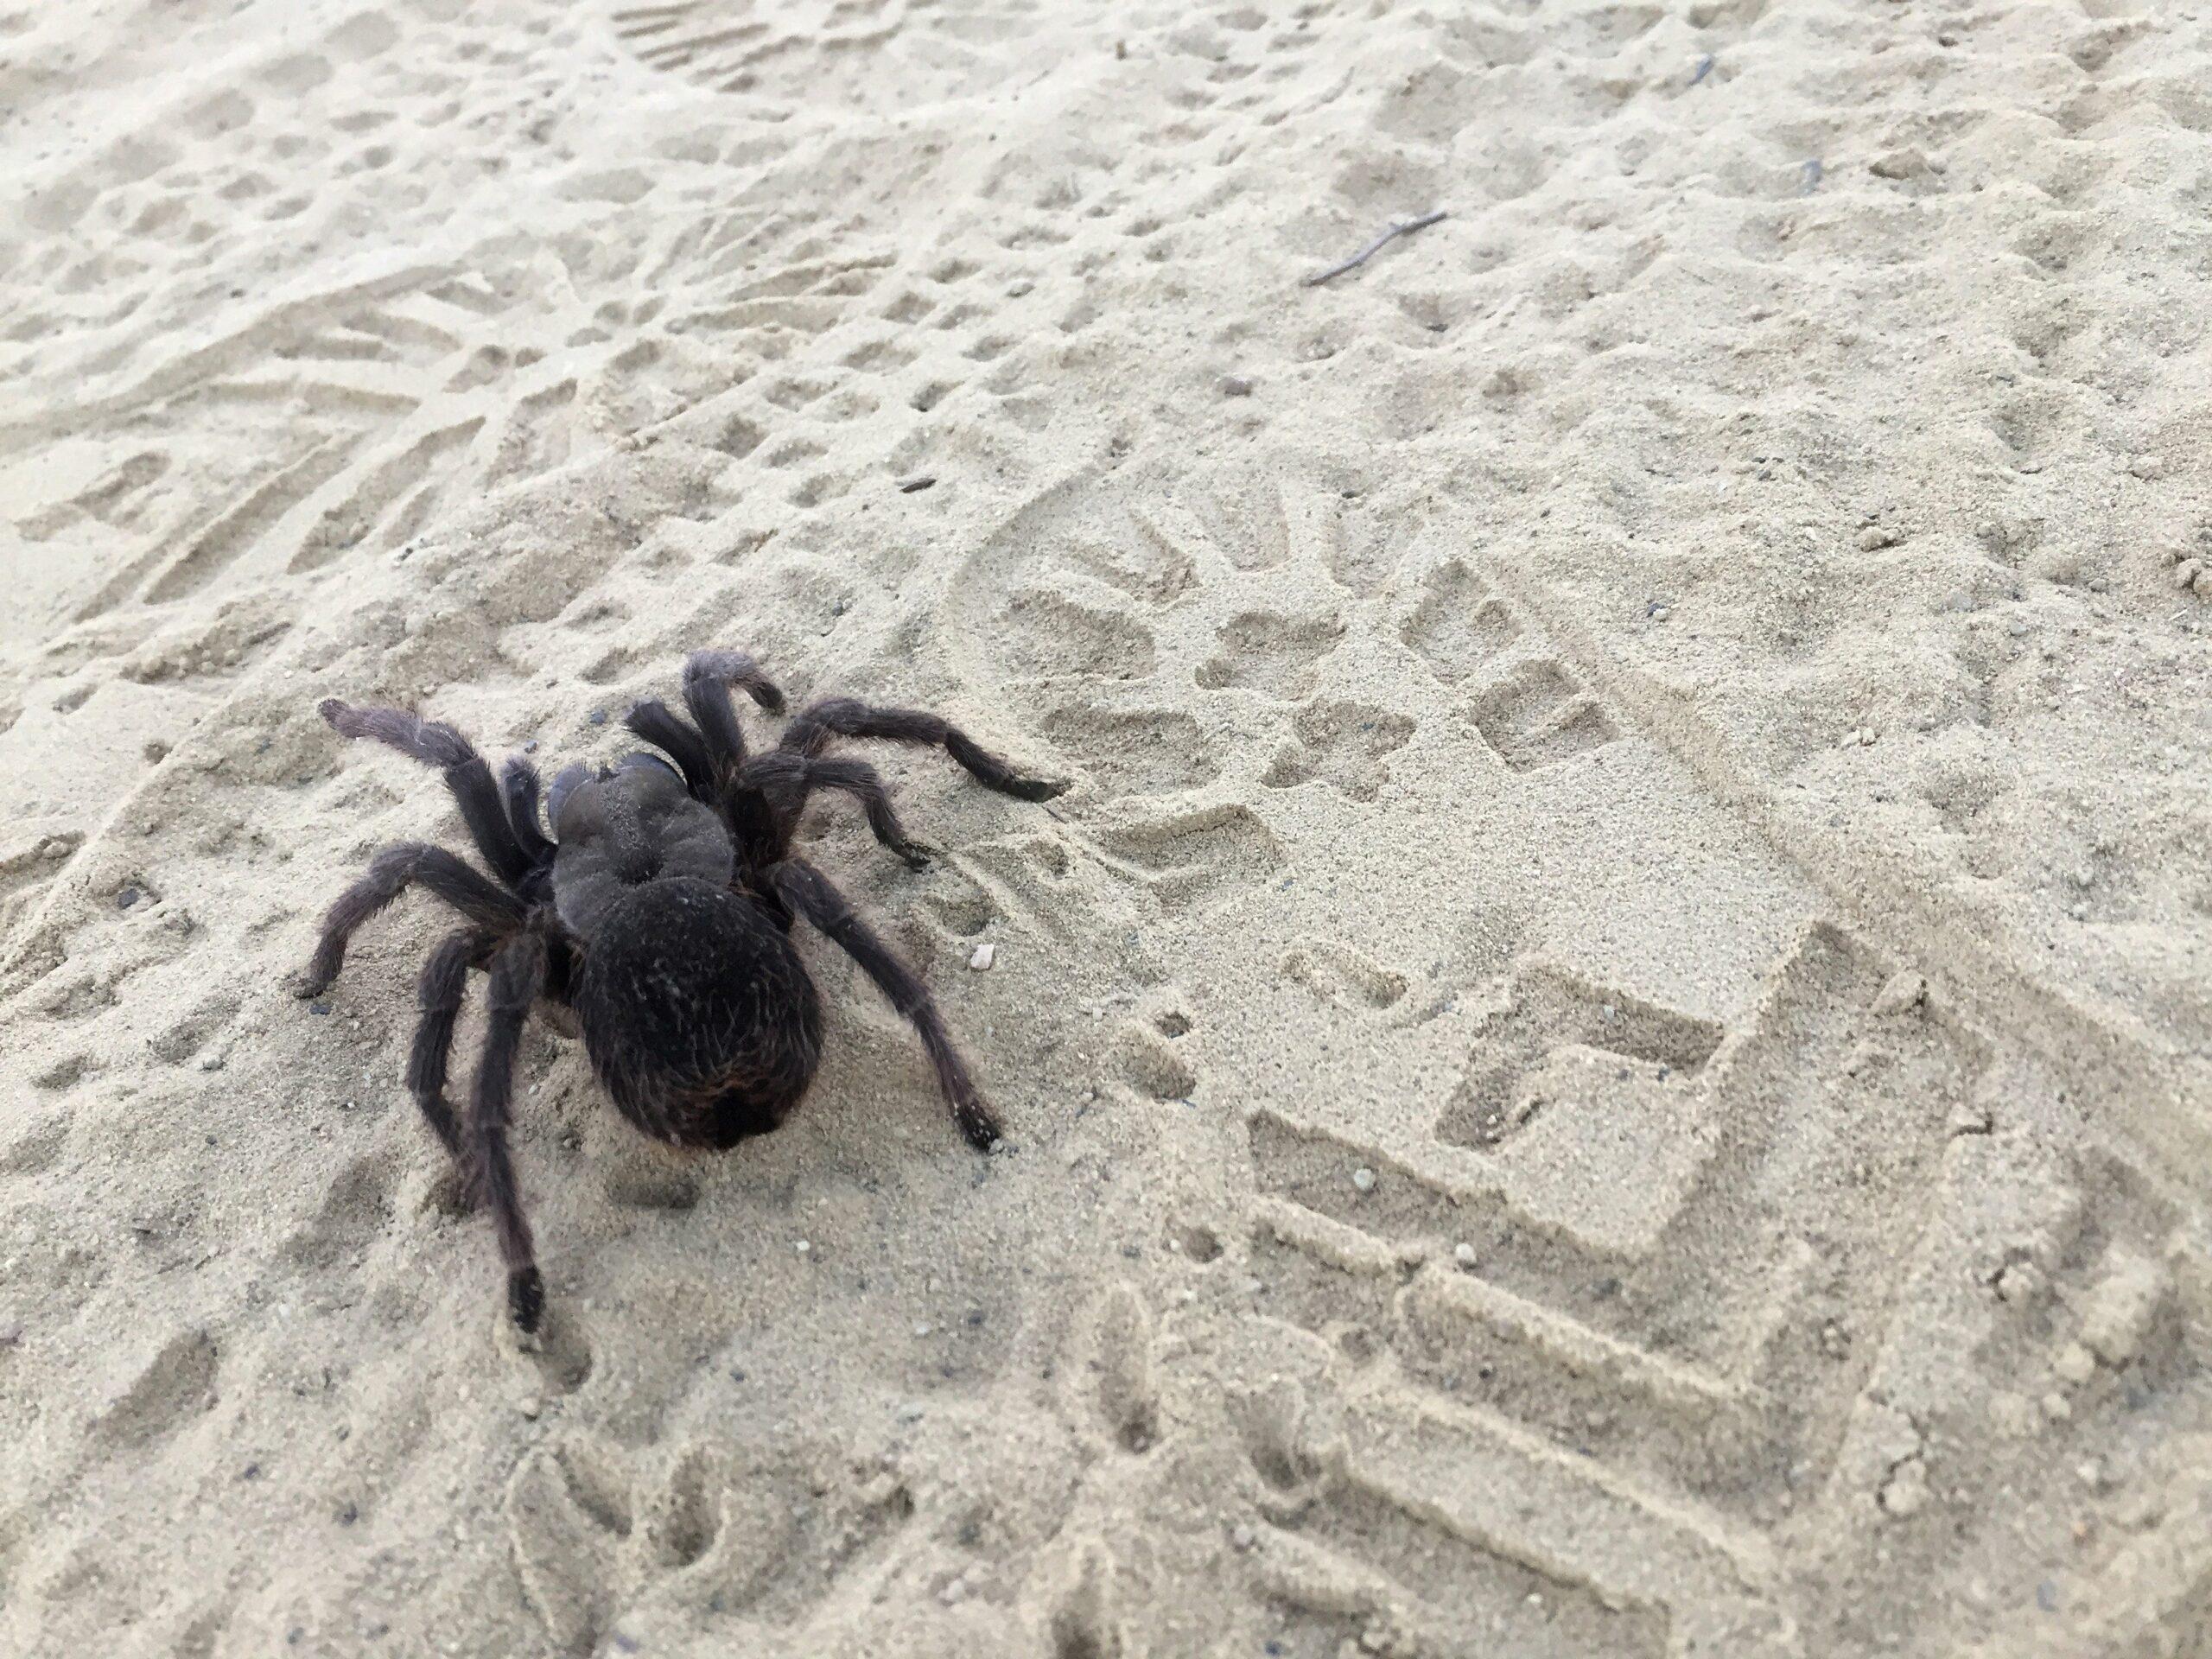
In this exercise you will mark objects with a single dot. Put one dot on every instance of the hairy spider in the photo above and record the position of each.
(659, 911)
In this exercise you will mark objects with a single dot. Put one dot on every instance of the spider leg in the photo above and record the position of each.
(666, 730)
(810, 731)
(439, 992)
(708, 676)
(436, 744)
(518, 975)
(390, 873)
(788, 779)
(810, 894)
(518, 782)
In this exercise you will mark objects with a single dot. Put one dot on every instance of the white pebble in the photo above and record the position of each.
(1464, 1254)
(802, 1246)
(986, 954)
(1363, 1178)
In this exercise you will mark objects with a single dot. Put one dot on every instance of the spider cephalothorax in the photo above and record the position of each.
(659, 911)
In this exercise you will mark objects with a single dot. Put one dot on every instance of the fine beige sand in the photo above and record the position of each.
(1611, 1053)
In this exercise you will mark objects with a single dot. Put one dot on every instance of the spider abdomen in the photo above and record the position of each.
(700, 1020)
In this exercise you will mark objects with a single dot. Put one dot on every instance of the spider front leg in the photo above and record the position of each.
(808, 893)
(518, 975)
(390, 873)
(787, 781)
(483, 806)
(810, 730)
(708, 676)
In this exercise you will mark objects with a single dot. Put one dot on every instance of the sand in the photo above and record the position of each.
(1610, 1053)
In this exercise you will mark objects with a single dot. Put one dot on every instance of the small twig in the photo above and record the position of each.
(1403, 227)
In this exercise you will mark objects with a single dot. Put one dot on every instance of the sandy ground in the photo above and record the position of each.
(1608, 1056)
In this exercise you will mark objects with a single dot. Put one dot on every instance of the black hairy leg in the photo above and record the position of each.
(809, 893)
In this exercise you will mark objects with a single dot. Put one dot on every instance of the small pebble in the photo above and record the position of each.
(598, 716)
(2147, 467)
(910, 1412)
(1236, 386)
(2075, 1365)
(986, 954)
(1464, 1254)
(529, 1405)
(1243, 1537)
(2020, 1282)
(1876, 536)
(802, 1247)
(1901, 993)
(1363, 1178)
(127, 898)
(1906, 1493)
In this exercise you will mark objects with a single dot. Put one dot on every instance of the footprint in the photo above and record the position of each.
(1149, 1063)
(1458, 626)
(1273, 1424)
(1342, 744)
(1136, 751)
(179, 1042)
(178, 1382)
(1550, 1008)
(353, 1212)
(680, 1524)
(1118, 1370)
(37, 1146)
(1083, 1626)
(1145, 564)
(1539, 716)
(593, 1542)
(1050, 635)
(567, 1515)
(1272, 654)
(1191, 858)
(1338, 974)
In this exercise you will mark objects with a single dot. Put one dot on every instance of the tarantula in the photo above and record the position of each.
(659, 913)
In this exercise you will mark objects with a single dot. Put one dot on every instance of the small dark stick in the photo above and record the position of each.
(1403, 227)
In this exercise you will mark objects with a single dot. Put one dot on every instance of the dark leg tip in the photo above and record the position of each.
(981, 1128)
(1038, 789)
(768, 696)
(307, 984)
(331, 709)
(526, 1299)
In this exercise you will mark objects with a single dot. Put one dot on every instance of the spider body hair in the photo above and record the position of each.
(701, 1023)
